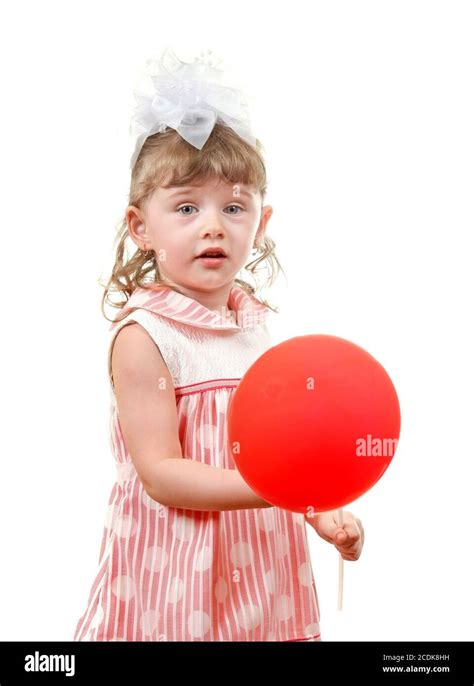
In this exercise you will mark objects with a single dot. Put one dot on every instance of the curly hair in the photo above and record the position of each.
(166, 159)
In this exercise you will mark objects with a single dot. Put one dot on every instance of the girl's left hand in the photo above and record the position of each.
(348, 539)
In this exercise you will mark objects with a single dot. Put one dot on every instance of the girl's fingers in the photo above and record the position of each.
(329, 529)
(353, 534)
(351, 548)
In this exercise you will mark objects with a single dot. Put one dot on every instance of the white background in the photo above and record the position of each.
(366, 113)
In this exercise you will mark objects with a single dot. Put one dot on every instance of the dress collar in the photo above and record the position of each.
(248, 311)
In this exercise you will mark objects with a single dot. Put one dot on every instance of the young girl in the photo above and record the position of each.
(189, 552)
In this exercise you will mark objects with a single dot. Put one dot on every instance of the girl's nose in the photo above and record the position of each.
(212, 224)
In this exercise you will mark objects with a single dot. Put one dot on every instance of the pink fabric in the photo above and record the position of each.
(170, 574)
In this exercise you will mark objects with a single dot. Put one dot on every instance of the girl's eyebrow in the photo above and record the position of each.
(188, 189)
(182, 191)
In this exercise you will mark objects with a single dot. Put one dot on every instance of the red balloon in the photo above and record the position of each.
(314, 423)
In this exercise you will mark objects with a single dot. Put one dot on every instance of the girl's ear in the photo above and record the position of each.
(136, 225)
(267, 212)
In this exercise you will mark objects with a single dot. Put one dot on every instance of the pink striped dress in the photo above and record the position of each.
(172, 574)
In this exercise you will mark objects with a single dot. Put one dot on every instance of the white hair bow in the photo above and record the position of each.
(190, 98)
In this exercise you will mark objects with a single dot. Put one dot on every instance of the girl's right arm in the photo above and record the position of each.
(146, 404)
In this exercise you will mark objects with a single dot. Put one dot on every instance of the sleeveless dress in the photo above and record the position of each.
(172, 574)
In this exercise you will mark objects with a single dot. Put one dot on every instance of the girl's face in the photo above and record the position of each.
(179, 223)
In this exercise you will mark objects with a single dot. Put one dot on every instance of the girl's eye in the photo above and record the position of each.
(182, 208)
(192, 206)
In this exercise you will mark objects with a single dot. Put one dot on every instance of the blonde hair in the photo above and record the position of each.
(166, 159)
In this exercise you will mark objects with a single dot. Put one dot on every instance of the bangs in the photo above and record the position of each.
(172, 161)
